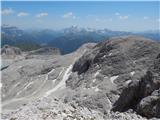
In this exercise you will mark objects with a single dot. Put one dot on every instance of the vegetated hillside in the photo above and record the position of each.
(24, 42)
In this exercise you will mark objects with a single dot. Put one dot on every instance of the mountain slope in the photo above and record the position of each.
(97, 78)
(104, 72)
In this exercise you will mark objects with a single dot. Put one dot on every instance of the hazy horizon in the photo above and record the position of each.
(119, 16)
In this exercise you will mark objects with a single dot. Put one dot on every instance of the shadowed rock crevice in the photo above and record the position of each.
(142, 95)
(127, 65)
(82, 65)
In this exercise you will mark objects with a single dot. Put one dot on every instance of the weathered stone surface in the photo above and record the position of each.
(150, 105)
(122, 73)
(10, 52)
(45, 51)
(125, 64)
(144, 95)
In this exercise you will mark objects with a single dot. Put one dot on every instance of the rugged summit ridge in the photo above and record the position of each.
(116, 79)
(123, 64)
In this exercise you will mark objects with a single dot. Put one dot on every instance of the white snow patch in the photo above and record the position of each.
(96, 89)
(97, 73)
(53, 81)
(110, 54)
(25, 87)
(128, 81)
(94, 80)
(113, 78)
(109, 102)
(132, 73)
(85, 97)
(104, 56)
(65, 76)
(18, 92)
(49, 73)
(61, 85)
(28, 85)
(61, 72)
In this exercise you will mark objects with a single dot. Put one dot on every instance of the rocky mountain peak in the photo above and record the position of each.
(115, 79)
(118, 67)
(9, 51)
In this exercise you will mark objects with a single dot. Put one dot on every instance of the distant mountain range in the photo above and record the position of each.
(67, 40)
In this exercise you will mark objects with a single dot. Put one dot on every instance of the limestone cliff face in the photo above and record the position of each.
(115, 79)
(127, 67)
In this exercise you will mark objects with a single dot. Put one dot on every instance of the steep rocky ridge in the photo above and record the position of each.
(95, 81)
(102, 73)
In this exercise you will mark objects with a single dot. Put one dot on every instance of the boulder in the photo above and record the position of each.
(150, 105)
(9, 51)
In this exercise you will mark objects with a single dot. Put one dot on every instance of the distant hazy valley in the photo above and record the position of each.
(67, 40)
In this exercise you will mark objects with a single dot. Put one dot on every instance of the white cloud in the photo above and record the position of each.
(21, 14)
(124, 17)
(145, 17)
(42, 14)
(69, 15)
(7, 11)
(117, 14)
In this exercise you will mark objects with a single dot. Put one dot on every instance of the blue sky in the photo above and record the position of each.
(127, 16)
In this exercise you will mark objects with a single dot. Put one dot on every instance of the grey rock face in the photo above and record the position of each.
(119, 53)
(122, 63)
(9, 51)
(82, 65)
(119, 74)
(150, 105)
(143, 96)
(39, 75)
(46, 51)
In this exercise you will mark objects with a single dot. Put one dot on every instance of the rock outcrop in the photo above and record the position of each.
(46, 51)
(142, 95)
(10, 52)
(124, 67)
(150, 106)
